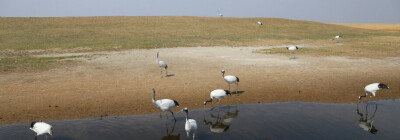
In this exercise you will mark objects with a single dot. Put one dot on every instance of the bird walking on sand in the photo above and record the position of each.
(41, 128)
(230, 79)
(218, 94)
(165, 104)
(162, 65)
(292, 50)
(190, 125)
(372, 89)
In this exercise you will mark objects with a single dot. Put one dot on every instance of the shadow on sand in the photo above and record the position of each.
(237, 92)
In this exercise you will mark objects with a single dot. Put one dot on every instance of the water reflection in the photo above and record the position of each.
(367, 123)
(288, 120)
(169, 135)
(221, 123)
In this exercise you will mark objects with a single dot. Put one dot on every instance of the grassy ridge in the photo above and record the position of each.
(104, 33)
(22, 37)
(381, 27)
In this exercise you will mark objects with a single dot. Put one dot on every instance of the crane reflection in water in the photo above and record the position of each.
(169, 135)
(222, 121)
(365, 122)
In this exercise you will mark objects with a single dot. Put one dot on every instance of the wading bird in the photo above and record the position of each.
(165, 104)
(230, 79)
(217, 94)
(41, 128)
(372, 89)
(190, 125)
(162, 65)
(292, 50)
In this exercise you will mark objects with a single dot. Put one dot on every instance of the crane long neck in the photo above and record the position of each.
(223, 75)
(154, 96)
(158, 60)
(187, 115)
(205, 102)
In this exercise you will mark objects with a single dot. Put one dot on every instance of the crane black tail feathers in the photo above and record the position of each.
(32, 124)
(237, 78)
(176, 103)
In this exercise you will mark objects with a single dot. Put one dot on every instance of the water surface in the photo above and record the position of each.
(290, 120)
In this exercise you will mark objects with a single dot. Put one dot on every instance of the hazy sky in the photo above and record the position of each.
(340, 11)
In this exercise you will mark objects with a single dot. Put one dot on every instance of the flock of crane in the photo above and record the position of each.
(168, 104)
(42, 128)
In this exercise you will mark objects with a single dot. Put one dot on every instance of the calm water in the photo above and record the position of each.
(292, 120)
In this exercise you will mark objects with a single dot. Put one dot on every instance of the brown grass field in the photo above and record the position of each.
(66, 68)
(379, 27)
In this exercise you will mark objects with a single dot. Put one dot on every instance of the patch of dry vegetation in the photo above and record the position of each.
(380, 27)
(24, 37)
(105, 33)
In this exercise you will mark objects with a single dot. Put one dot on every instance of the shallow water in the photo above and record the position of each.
(291, 120)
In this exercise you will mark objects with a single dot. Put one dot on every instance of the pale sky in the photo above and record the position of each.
(331, 11)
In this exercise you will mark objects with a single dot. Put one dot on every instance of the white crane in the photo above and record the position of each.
(190, 125)
(230, 79)
(259, 23)
(220, 15)
(162, 65)
(372, 89)
(41, 128)
(337, 37)
(217, 94)
(165, 104)
(292, 50)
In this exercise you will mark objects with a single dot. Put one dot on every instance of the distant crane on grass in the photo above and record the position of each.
(292, 50)
(259, 23)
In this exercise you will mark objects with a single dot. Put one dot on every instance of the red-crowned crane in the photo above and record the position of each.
(165, 104)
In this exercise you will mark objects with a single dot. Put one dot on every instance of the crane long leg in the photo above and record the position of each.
(229, 87)
(187, 133)
(194, 133)
(236, 87)
(173, 115)
(161, 72)
(166, 72)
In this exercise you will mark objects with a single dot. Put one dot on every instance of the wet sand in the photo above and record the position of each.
(120, 83)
